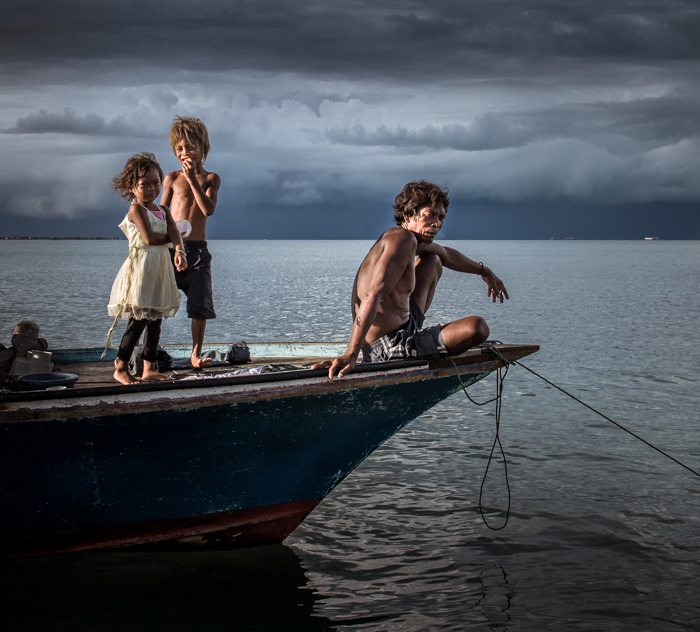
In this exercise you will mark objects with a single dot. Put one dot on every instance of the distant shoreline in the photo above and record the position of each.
(63, 238)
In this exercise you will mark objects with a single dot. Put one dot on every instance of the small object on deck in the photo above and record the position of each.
(256, 370)
(237, 353)
(34, 362)
(40, 381)
(7, 357)
(25, 339)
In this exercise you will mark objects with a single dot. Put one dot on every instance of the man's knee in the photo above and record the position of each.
(474, 329)
(481, 330)
(465, 333)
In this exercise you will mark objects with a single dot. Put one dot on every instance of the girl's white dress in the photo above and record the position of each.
(145, 285)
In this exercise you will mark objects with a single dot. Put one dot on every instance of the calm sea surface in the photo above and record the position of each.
(604, 533)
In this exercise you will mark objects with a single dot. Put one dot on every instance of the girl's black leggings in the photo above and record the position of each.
(131, 337)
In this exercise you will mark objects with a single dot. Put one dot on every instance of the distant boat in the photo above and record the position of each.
(651, 239)
(220, 462)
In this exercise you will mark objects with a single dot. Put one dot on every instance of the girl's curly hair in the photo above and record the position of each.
(418, 195)
(136, 168)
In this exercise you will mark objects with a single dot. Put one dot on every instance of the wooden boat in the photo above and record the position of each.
(211, 463)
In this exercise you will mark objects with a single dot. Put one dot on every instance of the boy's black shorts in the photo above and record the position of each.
(195, 280)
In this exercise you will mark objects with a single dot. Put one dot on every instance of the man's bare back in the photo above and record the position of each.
(395, 248)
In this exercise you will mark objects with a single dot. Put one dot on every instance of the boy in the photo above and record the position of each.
(191, 194)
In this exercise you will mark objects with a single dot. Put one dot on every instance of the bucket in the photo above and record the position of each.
(41, 381)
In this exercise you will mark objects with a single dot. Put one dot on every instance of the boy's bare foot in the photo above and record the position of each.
(199, 363)
(123, 376)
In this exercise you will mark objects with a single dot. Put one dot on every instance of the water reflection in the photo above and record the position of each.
(495, 595)
(253, 589)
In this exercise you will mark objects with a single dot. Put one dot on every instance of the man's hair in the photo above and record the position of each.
(193, 131)
(418, 195)
(136, 168)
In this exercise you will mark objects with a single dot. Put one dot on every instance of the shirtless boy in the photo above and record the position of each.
(396, 282)
(191, 194)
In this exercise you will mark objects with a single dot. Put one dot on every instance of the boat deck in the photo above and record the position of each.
(281, 362)
(101, 373)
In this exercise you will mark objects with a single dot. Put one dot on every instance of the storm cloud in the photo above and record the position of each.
(319, 112)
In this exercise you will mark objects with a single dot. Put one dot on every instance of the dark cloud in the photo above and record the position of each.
(69, 122)
(352, 38)
(319, 111)
(618, 126)
(489, 131)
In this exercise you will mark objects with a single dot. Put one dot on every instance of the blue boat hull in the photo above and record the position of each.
(224, 468)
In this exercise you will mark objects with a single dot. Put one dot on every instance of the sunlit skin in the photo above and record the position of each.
(192, 193)
(406, 263)
(146, 192)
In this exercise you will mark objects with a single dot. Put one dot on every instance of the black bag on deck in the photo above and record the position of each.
(238, 353)
(164, 361)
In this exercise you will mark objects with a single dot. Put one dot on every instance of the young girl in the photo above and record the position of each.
(144, 290)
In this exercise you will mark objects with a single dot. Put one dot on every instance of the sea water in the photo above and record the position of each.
(603, 532)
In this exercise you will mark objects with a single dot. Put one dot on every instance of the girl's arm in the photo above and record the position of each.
(176, 240)
(137, 215)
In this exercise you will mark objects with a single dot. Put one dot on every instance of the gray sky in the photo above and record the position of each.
(544, 118)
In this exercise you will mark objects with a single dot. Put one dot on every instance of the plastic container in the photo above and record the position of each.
(41, 381)
(35, 362)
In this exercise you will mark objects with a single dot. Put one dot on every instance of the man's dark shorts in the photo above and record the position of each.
(195, 280)
(409, 341)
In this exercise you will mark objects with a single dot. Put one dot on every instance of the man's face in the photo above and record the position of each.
(426, 224)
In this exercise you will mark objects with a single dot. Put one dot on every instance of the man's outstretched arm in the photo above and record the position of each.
(455, 260)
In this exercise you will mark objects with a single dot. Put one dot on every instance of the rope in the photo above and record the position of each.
(490, 347)
(497, 440)
(123, 301)
(500, 376)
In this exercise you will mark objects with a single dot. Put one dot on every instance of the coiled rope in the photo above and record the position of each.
(491, 346)
(501, 373)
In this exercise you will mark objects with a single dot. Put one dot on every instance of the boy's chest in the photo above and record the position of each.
(182, 188)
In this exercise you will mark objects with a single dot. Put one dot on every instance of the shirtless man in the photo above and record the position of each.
(396, 282)
(191, 193)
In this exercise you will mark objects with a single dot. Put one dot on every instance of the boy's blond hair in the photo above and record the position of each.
(193, 131)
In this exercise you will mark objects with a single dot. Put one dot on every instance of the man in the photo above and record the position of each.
(396, 282)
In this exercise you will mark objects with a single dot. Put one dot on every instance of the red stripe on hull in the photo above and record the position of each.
(230, 529)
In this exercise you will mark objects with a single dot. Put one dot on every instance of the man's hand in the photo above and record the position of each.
(341, 366)
(496, 289)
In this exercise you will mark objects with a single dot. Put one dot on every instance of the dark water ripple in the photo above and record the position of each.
(604, 533)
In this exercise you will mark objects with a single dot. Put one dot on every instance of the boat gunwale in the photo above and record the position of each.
(278, 376)
(370, 375)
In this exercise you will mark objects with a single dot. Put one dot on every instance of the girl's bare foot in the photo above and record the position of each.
(122, 374)
(150, 374)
